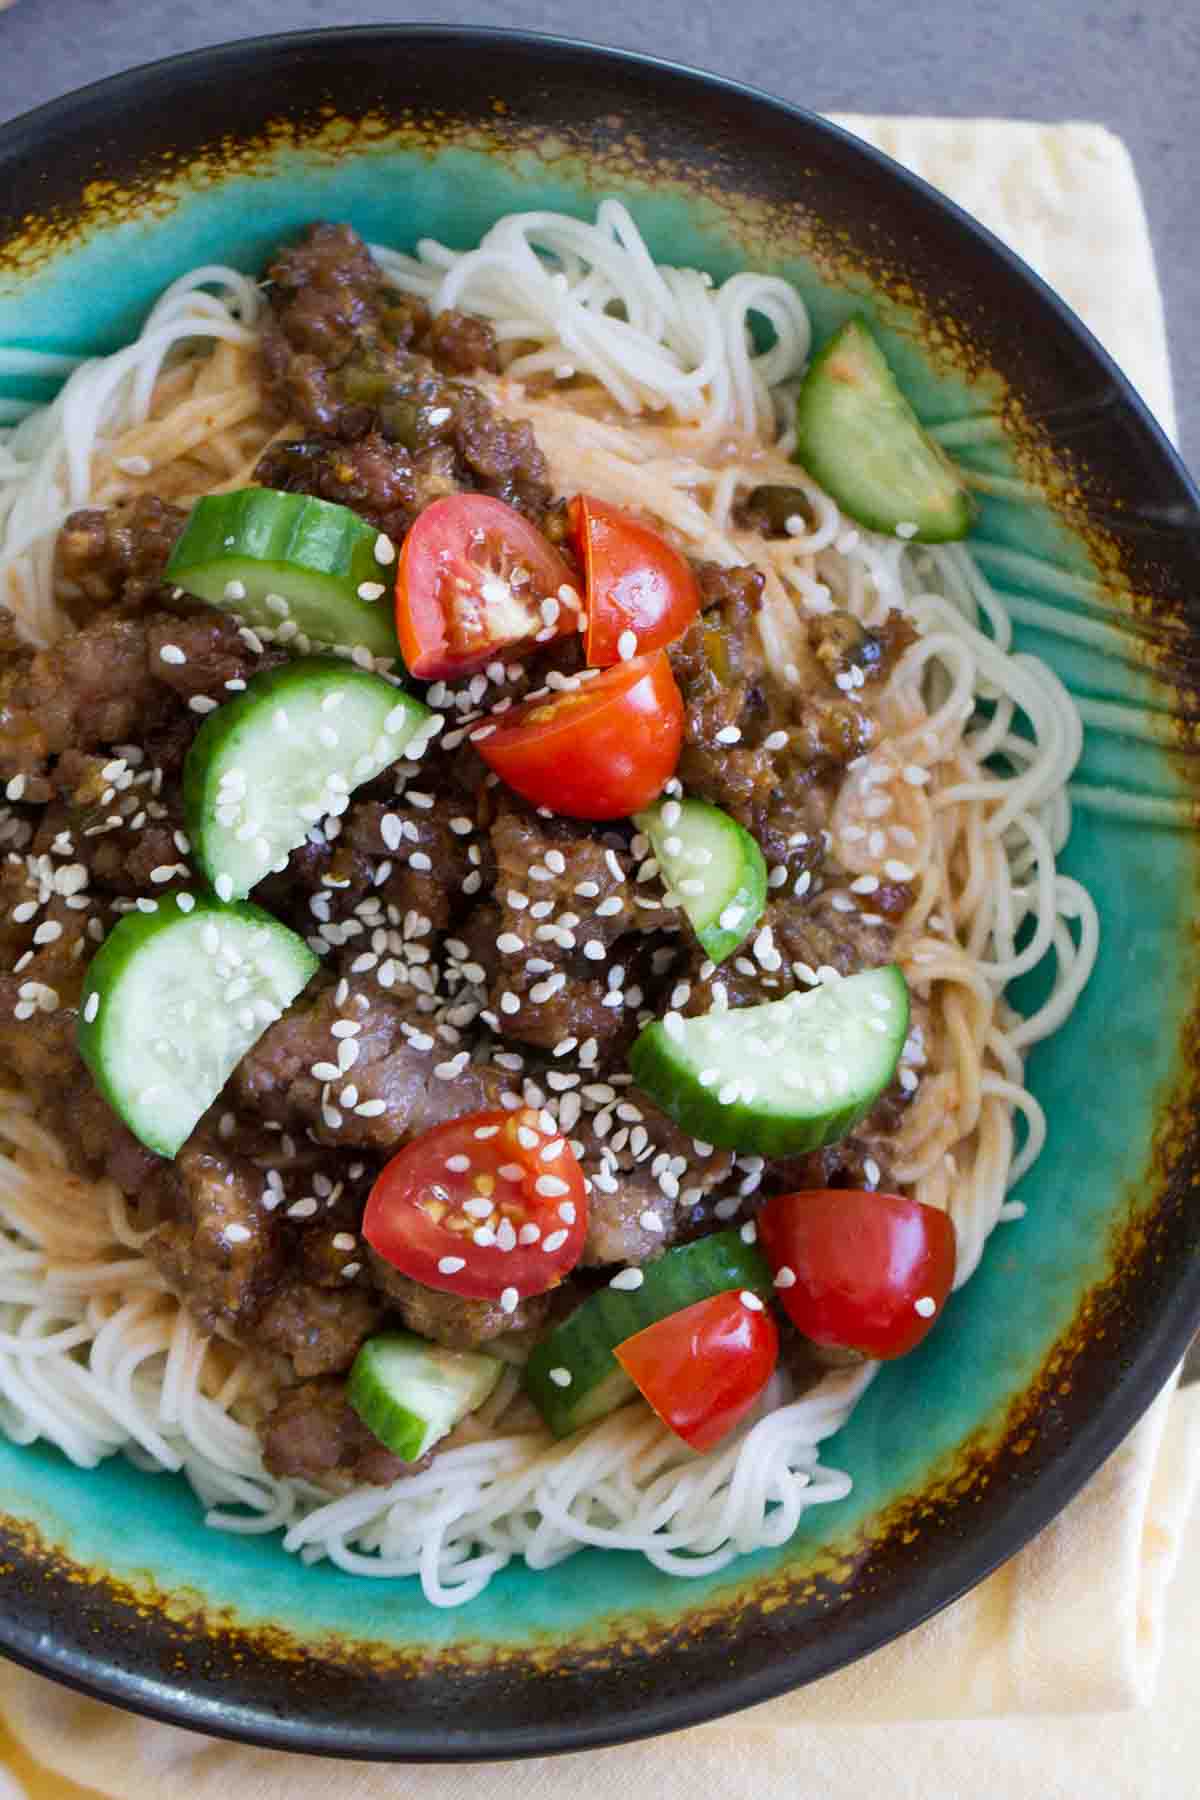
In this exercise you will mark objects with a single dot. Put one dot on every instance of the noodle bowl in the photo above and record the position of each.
(670, 410)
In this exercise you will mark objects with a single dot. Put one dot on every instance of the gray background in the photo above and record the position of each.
(1135, 68)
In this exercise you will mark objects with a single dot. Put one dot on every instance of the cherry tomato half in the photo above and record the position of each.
(868, 1271)
(601, 750)
(486, 1202)
(703, 1368)
(636, 582)
(475, 577)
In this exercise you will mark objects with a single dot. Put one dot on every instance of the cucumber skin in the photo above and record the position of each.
(123, 941)
(829, 471)
(614, 1314)
(200, 784)
(366, 1392)
(743, 1125)
(305, 531)
(716, 940)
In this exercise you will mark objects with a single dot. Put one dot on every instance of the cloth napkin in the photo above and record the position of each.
(1029, 1684)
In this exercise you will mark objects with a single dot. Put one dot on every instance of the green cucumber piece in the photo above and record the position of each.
(286, 559)
(410, 1393)
(268, 764)
(172, 1001)
(581, 1348)
(715, 868)
(782, 1078)
(857, 436)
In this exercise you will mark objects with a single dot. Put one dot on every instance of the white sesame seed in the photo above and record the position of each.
(731, 918)
(370, 590)
(224, 887)
(926, 1306)
(450, 1265)
(561, 1377)
(728, 734)
(92, 1007)
(171, 653)
(200, 703)
(785, 1277)
(554, 1242)
(302, 1209)
(627, 1281)
(750, 1300)
(897, 871)
(551, 1186)
(509, 1300)
(627, 645)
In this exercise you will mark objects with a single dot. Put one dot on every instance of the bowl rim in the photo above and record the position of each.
(1151, 1362)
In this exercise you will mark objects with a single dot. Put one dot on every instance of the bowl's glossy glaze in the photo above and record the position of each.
(1079, 1312)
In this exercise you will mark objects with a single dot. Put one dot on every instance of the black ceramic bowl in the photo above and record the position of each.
(1078, 1314)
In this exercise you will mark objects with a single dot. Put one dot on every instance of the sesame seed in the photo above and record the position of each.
(627, 1281)
(450, 1265)
(509, 1300)
(200, 703)
(561, 1377)
(650, 1220)
(897, 871)
(91, 1007)
(627, 645)
(785, 1277)
(302, 1209)
(151, 906)
(554, 1242)
(370, 590)
(551, 1186)
(731, 918)
(171, 653)
(926, 1306)
(729, 734)
(750, 1300)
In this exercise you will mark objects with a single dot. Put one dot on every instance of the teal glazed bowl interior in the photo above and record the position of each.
(1081, 1309)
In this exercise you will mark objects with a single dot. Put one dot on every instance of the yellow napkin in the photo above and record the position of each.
(983, 1700)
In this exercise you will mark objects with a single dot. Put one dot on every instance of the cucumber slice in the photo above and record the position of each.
(269, 763)
(781, 1078)
(410, 1393)
(713, 865)
(572, 1376)
(172, 1001)
(278, 559)
(857, 435)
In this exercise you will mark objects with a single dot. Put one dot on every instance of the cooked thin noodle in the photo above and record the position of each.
(96, 1355)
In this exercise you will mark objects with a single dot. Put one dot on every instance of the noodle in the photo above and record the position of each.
(96, 1355)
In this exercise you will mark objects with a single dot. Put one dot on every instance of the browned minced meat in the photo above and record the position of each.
(115, 555)
(315, 1433)
(364, 369)
(449, 1319)
(476, 953)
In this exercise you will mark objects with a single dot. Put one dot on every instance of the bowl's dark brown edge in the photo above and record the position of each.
(153, 1655)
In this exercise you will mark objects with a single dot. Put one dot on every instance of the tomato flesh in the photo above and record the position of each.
(703, 1368)
(868, 1271)
(485, 1203)
(641, 593)
(600, 750)
(475, 578)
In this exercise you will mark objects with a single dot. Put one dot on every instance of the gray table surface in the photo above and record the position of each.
(1133, 66)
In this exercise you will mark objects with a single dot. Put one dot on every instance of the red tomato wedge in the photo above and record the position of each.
(601, 750)
(483, 1204)
(861, 1270)
(703, 1368)
(474, 578)
(641, 593)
